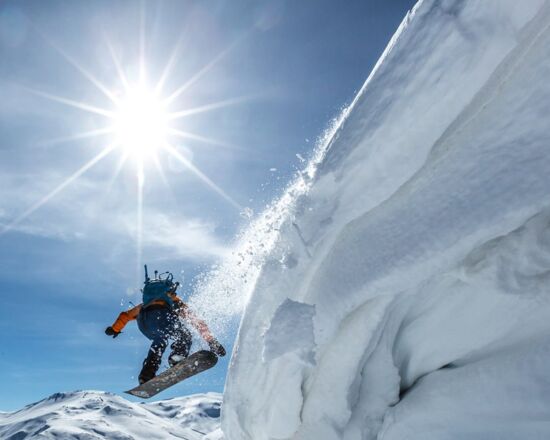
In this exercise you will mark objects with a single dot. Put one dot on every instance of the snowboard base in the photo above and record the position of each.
(194, 364)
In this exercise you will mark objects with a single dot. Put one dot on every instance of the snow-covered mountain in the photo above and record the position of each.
(89, 415)
(400, 289)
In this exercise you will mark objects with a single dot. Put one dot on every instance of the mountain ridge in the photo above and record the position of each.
(91, 414)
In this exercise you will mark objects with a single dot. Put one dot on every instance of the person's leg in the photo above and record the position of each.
(181, 344)
(153, 324)
(153, 360)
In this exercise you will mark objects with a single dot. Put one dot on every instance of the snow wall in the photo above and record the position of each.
(400, 289)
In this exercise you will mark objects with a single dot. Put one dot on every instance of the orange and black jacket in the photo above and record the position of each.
(179, 306)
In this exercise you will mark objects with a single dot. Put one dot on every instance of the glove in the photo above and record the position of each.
(216, 347)
(110, 331)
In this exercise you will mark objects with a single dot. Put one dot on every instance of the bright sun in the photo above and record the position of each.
(141, 123)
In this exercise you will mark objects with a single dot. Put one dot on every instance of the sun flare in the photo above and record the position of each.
(141, 123)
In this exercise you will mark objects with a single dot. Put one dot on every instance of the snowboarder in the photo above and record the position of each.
(158, 318)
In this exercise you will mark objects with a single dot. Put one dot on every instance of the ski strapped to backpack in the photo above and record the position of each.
(159, 288)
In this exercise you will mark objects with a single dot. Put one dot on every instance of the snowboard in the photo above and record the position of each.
(194, 364)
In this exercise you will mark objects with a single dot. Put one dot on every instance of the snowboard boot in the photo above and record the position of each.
(150, 367)
(173, 359)
(180, 349)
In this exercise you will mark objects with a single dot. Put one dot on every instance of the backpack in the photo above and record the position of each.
(158, 288)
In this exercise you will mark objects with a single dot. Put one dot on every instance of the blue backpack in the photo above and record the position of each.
(158, 288)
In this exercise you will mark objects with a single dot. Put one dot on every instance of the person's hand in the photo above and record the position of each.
(110, 331)
(216, 347)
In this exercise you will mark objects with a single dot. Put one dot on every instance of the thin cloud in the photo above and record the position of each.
(164, 236)
(193, 239)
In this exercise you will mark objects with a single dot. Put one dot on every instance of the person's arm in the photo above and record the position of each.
(201, 327)
(123, 319)
(194, 320)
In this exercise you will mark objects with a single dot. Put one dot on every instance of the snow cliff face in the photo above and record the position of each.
(89, 415)
(403, 289)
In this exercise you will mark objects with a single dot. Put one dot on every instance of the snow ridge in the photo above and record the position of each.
(421, 242)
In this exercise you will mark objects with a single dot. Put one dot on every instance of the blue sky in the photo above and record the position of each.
(263, 79)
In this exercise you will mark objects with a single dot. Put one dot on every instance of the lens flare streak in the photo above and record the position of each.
(207, 108)
(75, 104)
(59, 188)
(185, 162)
(84, 72)
(203, 139)
(79, 136)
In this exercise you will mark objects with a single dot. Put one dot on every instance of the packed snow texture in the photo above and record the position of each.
(401, 287)
(88, 415)
(291, 331)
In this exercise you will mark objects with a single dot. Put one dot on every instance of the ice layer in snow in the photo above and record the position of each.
(420, 237)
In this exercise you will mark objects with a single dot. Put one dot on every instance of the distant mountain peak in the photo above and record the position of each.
(101, 415)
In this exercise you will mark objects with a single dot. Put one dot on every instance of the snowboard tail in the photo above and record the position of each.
(194, 364)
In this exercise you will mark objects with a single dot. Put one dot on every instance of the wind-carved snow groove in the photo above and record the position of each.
(387, 360)
(483, 342)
